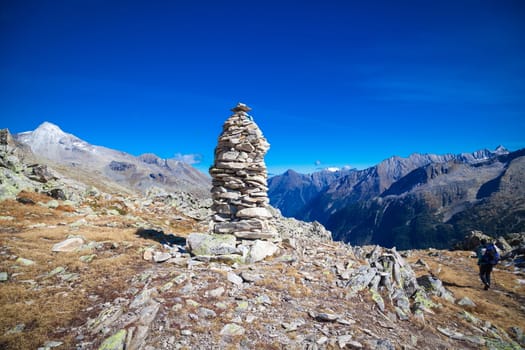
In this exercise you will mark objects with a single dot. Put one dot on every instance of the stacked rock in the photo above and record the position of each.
(239, 179)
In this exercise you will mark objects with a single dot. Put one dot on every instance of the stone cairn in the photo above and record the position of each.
(239, 180)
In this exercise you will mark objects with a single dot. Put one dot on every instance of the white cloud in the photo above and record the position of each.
(191, 159)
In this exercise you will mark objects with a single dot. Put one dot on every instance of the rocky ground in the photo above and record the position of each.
(109, 272)
(106, 268)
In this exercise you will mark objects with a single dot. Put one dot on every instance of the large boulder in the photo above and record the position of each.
(472, 241)
(68, 245)
(211, 244)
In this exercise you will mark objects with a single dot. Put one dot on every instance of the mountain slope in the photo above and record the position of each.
(424, 200)
(139, 173)
(291, 191)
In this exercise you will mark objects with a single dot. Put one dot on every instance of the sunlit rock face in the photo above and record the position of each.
(239, 185)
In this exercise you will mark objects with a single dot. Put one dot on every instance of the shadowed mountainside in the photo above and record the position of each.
(416, 202)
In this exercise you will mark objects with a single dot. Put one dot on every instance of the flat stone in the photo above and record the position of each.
(24, 261)
(115, 342)
(254, 235)
(143, 298)
(159, 257)
(148, 254)
(68, 245)
(52, 344)
(215, 293)
(260, 250)
(88, 258)
(105, 318)
(56, 271)
(3, 276)
(250, 276)
(465, 301)
(234, 278)
(211, 244)
(147, 314)
(232, 329)
(325, 316)
(254, 213)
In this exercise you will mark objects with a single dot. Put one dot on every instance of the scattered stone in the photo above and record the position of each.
(242, 305)
(343, 340)
(69, 245)
(57, 193)
(322, 340)
(52, 204)
(451, 333)
(159, 257)
(115, 342)
(381, 344)
(207, 313)
(324, 316)
(263, 299)
(148, 254)
(192, 302)
(234, 278)
(79, 223)
(68, 277)
(56, 271)
(232, 329)
(211, 244)
(517, 333)
(24, 261)
(87, 258)
(473, 240)
(167, 286)
(215, 293)
(293, 326)
(435, 286)
(105, 318)
(52, 344)
(19, 328)
(421, 262)
(469, 317)
(250, 276)
(465, 301)
(143, 298)
(260, 250)
(186, 332)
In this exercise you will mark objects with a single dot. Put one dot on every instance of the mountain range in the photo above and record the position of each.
(104, 166)
(424, 200)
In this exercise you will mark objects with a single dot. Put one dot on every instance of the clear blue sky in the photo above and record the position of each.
(331, 83)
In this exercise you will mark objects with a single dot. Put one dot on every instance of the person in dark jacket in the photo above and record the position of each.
(488, 257)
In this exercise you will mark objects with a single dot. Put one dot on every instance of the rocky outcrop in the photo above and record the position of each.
(239, 192)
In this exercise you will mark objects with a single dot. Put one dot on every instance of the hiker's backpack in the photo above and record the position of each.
(491, 255)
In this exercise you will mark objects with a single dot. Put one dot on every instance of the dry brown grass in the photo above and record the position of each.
(50, 307)
(501, 305)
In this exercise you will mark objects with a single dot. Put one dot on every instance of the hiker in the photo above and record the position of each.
(488, 257)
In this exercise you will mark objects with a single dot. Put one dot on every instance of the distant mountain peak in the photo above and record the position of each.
(501, 150)
(51, 130)
(48, 126)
